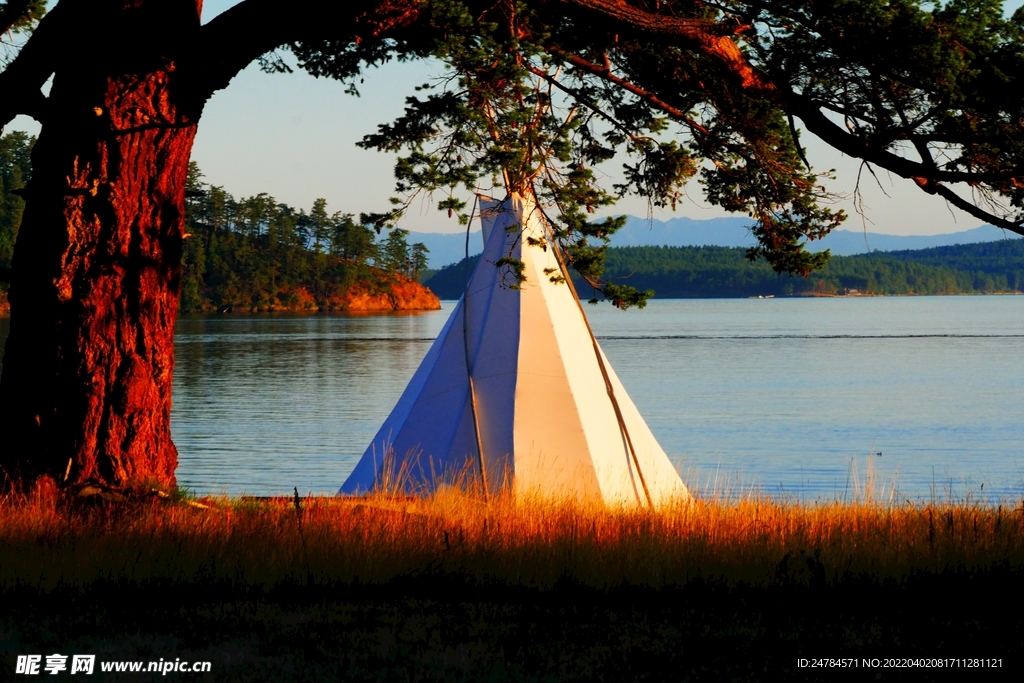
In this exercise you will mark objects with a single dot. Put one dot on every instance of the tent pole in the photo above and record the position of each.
(600, 362)
(469, 361)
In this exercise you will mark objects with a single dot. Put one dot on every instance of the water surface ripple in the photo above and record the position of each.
(791, 397)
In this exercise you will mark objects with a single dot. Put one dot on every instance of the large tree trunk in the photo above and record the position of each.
(86, 386)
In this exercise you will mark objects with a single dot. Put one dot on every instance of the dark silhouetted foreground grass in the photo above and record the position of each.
(453, 589)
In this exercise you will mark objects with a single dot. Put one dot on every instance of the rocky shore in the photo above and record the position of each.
(396, 294)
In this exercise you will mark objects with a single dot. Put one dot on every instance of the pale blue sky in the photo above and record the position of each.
(294, 136)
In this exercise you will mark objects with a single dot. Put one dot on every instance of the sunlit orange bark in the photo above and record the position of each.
(86, 387)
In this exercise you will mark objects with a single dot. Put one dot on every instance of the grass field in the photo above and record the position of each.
(452, 588)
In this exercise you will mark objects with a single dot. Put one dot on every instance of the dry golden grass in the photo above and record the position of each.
(452, 588)
(333, 541)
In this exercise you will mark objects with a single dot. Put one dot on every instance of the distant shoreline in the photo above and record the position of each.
(5, 311)
(810, 296)
(726, 272)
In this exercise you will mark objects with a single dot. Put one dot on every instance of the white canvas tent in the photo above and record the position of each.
(516, 392)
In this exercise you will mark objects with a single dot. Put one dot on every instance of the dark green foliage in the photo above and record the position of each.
(993, 266)
(394, 252)
(684, 272)
(624, 296)
(15, 171)
(514, 115)
(352, 241)
(18, 18)
(256, 253)
(22, 15)
(251, 253)
(450, 282)
(317, 224)
(928, 91)
(941, 79)
(418, 259)
(501, 122)
(714, 272)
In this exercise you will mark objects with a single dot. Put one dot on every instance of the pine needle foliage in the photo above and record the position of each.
(18, 18)
(255, 253)
(517, 111)
(15, 172)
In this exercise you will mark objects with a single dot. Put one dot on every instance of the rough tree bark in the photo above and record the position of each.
(85, 394)
(86, 387)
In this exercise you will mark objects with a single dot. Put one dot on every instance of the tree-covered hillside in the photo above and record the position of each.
(685, 272)
(994, 266)
(253, 253)
(256, 253)
(15, 171)
(709, 272)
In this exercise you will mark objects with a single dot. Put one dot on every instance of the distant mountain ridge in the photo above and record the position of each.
(734, 232)
(448, 248)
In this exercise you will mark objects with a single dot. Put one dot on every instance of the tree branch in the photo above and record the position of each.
(582, 99)
(605, 72)
(858, 147)
(718, 44)
(932, 187)
(22, 80)
(658, 24)
(237, 37)
(12, 13)
(714, 39)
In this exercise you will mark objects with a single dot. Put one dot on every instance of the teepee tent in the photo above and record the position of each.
(515, 393)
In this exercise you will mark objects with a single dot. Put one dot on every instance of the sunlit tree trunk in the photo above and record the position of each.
(86, 387)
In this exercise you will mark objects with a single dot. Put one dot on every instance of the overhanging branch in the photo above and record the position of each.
(22, 80)
(858, 147)
(605, 72)
(932, 187)
(12, 13)
(714, 39)
(714, 42)
(237, 37)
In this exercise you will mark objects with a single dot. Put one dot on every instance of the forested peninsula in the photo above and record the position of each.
(722, 272)
(258, 254)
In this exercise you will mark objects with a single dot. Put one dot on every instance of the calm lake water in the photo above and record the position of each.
(792, 397)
